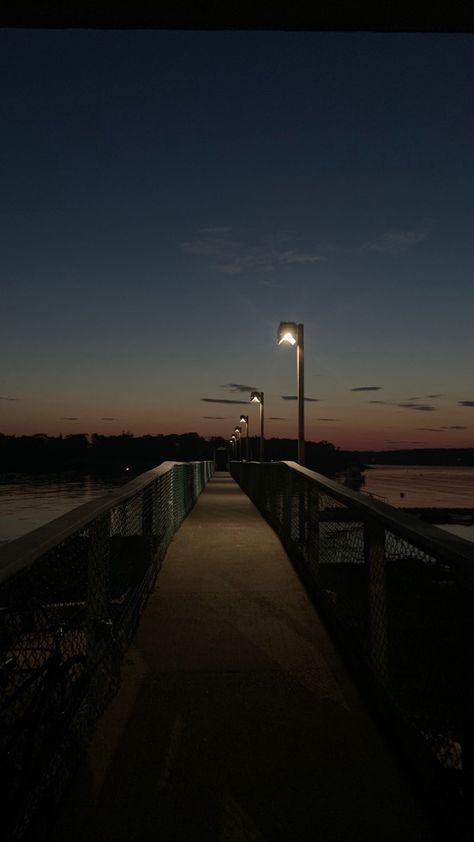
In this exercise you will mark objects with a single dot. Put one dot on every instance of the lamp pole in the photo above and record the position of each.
(300, 391)
(237, 432)
(244, 419)
(294, 334)
(257, 397)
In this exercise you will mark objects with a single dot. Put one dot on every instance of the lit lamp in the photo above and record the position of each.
(244, 419)
(293, 334)
(257, 397)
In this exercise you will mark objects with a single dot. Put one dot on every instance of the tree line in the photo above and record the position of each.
(79, 451)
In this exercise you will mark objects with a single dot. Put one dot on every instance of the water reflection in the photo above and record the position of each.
(27, 502)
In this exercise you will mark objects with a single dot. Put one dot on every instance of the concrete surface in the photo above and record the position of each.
(236, 719)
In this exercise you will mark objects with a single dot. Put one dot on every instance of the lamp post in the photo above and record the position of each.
(237, 433)
(257, 397)
(233, 442)
(293, 334)
(244, 419)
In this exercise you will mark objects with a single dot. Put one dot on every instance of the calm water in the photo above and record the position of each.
(423, 486)
(27, 502)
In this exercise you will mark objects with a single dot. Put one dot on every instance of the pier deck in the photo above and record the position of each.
(236, 719)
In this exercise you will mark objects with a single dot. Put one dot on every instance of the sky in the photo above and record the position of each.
(167, 198)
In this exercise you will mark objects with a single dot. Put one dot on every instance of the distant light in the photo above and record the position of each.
(287, 332)
(127, 469)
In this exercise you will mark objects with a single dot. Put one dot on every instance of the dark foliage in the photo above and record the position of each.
(41, 453)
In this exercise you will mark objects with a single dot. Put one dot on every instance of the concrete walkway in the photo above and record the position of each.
(236, 719)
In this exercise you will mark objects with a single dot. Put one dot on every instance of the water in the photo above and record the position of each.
(424, 486)
(27, 502)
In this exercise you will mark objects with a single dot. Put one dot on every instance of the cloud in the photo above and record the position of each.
(234, 254)
(421, 407)
(402, 441)
(328, 419)
(214, 417)
(295, 256)
(4, 398)
(398, 242)
(377, 401)
(295, 397)
(109, 419)
(432, 429)
(224, 400)
(434, 396)
(70, 418)
(367, 389)
(239, 387)
(456, 427)
(465, 403)
(277, 418)
(415, 398)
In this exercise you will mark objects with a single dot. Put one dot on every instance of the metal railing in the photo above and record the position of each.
(71, 594)
(399, 596)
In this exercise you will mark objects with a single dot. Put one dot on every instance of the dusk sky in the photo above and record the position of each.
(166, 198)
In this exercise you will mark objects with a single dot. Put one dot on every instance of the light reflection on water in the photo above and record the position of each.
(27, 502)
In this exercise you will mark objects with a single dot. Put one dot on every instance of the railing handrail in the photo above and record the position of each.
(429, 538)
(23, 551)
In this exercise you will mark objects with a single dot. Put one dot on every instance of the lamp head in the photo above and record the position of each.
(255, 397)
(244, 419)
(287, 332)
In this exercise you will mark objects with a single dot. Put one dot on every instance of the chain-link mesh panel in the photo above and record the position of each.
(400, 610)
(65, 622)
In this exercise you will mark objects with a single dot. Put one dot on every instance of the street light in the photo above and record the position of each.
(244, 419)
(293, 334)
(237, 432)
(257, 397)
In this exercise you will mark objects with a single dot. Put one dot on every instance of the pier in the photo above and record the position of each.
(254, 655)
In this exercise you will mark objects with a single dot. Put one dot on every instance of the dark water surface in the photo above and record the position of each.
(27, 502)
(422, 485)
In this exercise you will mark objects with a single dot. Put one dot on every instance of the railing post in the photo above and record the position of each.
(313, 529)
(374, 553)
(98, 585)
(302, 512)
(147, 509)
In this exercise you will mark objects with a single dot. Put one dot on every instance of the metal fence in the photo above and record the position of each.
(398, 595)
(71, 594)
